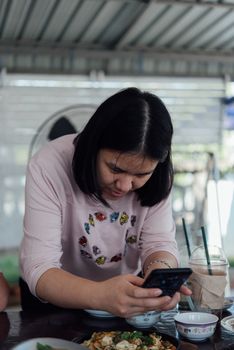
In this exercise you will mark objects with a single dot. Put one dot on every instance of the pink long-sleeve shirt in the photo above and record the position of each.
(64, 228)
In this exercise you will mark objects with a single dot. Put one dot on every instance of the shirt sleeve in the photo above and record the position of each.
(41, 245)
(158, 231)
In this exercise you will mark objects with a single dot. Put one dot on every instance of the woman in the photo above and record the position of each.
(98, 210)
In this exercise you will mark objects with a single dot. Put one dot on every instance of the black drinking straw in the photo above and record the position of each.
(206, 250)
(189, 299)
(186, 237)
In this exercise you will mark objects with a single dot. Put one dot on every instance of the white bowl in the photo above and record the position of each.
(196, 326)
(145, 320)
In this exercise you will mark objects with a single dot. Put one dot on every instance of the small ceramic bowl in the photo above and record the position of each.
(145, 320)
(196, 326)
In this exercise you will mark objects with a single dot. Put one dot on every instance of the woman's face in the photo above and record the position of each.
(120, 173)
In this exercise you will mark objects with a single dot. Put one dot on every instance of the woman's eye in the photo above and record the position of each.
(141, 176)
(115, 170)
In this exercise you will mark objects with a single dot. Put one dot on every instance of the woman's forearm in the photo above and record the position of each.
(66, 290)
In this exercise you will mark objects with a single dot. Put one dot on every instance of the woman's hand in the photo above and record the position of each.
(124, 297)
(176, 298)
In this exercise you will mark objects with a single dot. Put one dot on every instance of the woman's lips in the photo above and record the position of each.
(117, 194)
(110, 193)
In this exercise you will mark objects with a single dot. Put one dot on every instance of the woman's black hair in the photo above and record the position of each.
(130, 121)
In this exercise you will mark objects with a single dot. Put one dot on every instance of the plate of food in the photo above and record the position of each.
(137, 340)
(48, 344)
(99, 313)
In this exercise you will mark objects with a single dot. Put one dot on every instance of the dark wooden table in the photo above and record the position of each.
(17, 326)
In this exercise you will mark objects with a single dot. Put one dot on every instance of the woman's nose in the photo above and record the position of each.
(124, 184)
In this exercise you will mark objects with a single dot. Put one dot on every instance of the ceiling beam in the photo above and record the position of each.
(205, 3)
(103, 53)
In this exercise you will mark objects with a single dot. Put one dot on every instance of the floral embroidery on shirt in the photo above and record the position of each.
(116, 258)
(91, 220)
(123, 218)
(96, 250)
(83, 241)
(95, 222)
(100, 216)
(131, 239)
(87, 227)
(85, 254)
(133, 220)
(114, 216)
(100, 260)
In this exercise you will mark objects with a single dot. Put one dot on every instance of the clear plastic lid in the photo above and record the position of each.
(216, 255)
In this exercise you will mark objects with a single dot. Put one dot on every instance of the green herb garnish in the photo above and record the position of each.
(44, 347)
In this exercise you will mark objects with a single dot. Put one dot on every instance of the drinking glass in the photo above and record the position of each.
(209, 283)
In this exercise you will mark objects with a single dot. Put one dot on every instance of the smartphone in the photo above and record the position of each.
(168, 280)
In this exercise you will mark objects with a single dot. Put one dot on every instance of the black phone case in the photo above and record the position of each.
(168, 280)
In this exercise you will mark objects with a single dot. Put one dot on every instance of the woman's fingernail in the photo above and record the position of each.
(158, 292)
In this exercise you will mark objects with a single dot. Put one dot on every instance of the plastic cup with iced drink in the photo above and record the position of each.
(209, 284)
